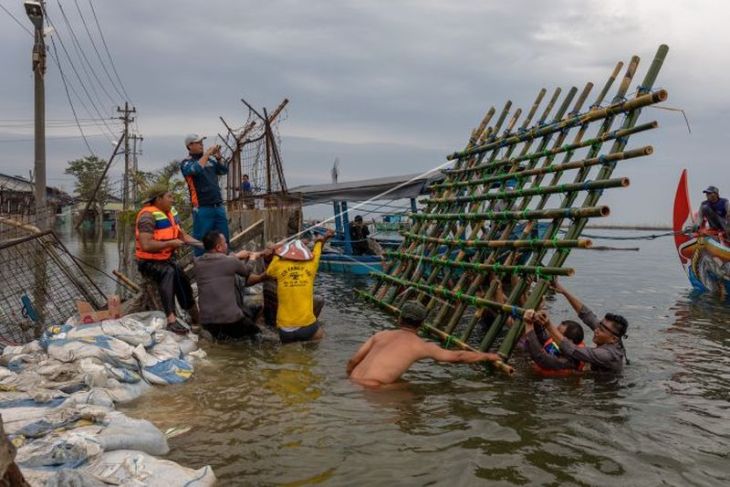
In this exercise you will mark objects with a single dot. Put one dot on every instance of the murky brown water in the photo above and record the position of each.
(267, 414)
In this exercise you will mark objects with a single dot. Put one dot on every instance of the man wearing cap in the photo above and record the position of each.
(201, 170)
(388, 354)
(715, 211)
(294, 267)
(157, 235)
(609, 353)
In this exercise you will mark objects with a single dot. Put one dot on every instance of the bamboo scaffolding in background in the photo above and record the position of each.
(482, 222)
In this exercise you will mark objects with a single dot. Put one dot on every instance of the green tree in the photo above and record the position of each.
(87, 172)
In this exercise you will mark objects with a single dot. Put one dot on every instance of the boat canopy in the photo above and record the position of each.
(387, 188)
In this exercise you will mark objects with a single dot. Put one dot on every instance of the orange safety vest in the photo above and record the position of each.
(558, 372)
(167, 227)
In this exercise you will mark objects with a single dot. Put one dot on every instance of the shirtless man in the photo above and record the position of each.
(388, 354)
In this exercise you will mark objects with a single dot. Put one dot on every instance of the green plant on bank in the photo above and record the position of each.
(87, 172)
(169, 175)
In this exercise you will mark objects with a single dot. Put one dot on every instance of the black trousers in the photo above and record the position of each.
(171, 282)
(243, 328)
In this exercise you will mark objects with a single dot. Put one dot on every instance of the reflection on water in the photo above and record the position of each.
(265, 414)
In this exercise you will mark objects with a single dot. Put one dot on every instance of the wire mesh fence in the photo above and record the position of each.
(41, 284)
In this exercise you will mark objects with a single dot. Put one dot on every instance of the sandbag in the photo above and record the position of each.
(128, 468)
(70, 451)
(124, 433)
(73, 478)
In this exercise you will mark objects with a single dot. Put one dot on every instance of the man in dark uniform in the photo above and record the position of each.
(359, 234)
(201, 170)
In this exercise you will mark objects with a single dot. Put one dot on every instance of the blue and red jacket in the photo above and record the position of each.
(203, 181)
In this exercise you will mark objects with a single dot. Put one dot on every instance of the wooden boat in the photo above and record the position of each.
(704, 253)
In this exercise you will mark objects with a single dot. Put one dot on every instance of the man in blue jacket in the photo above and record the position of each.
(201, 170)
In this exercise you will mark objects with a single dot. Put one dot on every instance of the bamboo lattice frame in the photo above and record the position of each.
(479, 225)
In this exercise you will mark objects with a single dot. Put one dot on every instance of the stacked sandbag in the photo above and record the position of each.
(57, 398)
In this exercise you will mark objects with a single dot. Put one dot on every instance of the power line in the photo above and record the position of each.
(98, 55)
(16, 20)
(68, 97)
(78, 76)
(82, 58)
(106, 48)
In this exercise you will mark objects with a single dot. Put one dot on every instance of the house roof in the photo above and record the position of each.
(386, 188)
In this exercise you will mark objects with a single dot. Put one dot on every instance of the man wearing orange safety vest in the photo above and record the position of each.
(157, 235)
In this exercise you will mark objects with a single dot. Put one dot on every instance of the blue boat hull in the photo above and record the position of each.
(350, 264)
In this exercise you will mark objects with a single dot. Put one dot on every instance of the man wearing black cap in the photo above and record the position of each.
(715, 211)
(157, 235)
(388, 354)
(201, 170)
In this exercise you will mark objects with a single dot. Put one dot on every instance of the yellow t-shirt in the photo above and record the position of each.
(295, 289)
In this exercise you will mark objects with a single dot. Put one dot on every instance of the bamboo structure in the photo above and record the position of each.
(491, 235)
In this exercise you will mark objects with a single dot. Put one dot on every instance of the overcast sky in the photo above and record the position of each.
(389, 87)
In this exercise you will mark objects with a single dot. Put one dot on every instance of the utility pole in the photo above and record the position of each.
(126, 118)
(123, 224)
(135, 167)
(35, 9)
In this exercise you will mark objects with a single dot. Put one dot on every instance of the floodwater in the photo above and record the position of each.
(267, 414)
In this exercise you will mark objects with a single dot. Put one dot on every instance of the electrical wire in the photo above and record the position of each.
(106, 48)
(81, 54)
(101, 118)
(30, 33)
(96, 50)
(70, 102)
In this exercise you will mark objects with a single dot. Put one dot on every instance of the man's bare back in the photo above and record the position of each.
(388, 354)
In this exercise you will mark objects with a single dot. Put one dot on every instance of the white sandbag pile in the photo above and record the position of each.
(57, 399)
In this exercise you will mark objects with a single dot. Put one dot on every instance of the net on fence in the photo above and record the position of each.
(41, 284)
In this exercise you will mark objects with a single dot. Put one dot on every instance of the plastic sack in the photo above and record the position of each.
(125, 467)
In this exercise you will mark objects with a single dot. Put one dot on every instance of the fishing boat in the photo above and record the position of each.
(704, 253)
(339, 256)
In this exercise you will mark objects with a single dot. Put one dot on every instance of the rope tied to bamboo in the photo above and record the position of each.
(515, 312)
(538, 273)
(449, 341)
(602, 159)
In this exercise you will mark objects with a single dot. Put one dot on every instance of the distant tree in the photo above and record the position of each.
(170, 176)
(87, 172)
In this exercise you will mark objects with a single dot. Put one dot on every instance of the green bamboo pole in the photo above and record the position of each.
(566, 166)
(402, 268)
(414, 271)
(502, 216)
(497, 268)
(478, 135)
(498, 323)
(514, 311)
(445, 312)
(517, 244)
(617, 108)
(520, 193)
(476, 283)
(605, 172)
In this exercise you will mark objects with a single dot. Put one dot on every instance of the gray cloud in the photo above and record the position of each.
(389, 87)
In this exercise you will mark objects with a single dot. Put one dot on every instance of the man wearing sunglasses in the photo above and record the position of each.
(609, 353)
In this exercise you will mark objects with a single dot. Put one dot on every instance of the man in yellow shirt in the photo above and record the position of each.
(295, 267)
